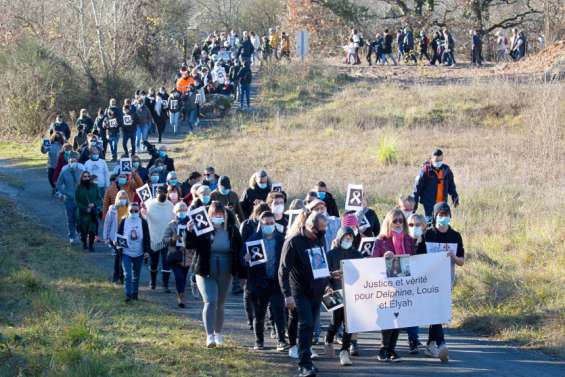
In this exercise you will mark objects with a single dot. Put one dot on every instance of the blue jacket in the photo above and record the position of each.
(257, 278)
(425, 189)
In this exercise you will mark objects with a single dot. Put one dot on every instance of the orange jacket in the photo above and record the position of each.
(184, 83)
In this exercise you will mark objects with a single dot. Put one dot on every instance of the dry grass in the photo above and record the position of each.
(504, 141)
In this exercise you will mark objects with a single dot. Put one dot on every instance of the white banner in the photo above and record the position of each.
(399, 292)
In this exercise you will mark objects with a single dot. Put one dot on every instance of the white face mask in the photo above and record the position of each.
(415, 232)
(407, 214)
(397, 230)
(437, 164)
(278, 209)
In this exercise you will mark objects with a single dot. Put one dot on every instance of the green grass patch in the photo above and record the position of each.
(60, 317)
(22, 154)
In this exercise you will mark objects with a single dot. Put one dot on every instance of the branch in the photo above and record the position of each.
(512, 21)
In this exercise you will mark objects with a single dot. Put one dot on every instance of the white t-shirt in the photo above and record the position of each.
(98, 168)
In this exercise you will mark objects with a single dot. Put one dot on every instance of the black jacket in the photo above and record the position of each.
(169, 163)
(257, 279)
(203, 249)
(295, 271)
(246, 49)
(335, 256)
(331, 205)
(250, 195)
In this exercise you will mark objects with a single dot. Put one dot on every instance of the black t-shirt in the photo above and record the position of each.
(435, 241)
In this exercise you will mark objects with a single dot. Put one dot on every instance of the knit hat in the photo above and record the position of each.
(439, 207)
(171, 175)
(224, 182)
(349, 220)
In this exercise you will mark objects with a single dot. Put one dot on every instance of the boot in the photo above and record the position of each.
(180, 300)
(91, 237)
(83, 239)
(166, 275)
(153, 279)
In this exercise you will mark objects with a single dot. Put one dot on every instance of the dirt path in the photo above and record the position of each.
(469, 355)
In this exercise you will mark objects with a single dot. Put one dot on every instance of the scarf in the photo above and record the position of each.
(398, 243)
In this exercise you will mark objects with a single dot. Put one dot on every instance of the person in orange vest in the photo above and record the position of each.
(185, 81)
(434, 183)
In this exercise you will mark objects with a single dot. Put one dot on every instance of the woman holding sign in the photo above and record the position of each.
(393, 240)
(116, 213)
(216, 260)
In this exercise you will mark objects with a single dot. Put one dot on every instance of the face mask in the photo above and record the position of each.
(162, 154)
(123, 202)
(135, 164)
(210, 177)
(416, 232)
(206, 199)
(346, 244)
(397, 230)
(134, 215)
(217, 220)
(407, 214)
(95, 157)
(443, 221)
(155, 179)
(182, 215)
(267, 229)
(321, 195)
(278, 209)
(262, 185)
(173, 196)
(224, 191)
(73, 165)
(437, 164)
(67, 155)
(173, 182)
(122, 181)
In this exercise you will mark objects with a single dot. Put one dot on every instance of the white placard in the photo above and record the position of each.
(401, 292)
(366, 246)
(438, 247)
(277, 187)
(292, 215)
(201, 221)
(144, 192)
(354, 198)
(256, 251)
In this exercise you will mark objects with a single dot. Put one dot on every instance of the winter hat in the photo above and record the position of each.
(171, 175)
(349, 220)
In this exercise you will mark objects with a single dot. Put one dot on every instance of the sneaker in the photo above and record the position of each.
(210, 341)
(273, 334)
(306, 372)
(329, 350)
(344, 358)
(71, 240)
(431, 350)
(293, 352)
(315, 340)
(314, 354)
(443, 353)
(383, 355)
(258, 347)
(219, 338)
(393, 357)
(415, 348)
(354, 349)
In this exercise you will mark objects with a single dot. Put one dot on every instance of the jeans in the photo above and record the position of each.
(390, 55)
(180, 277)
(338, 318)
(317, 326)
(192, 118)
(260, 300)
(308, 308)
(71, 210)
(113, 142)
(154, 255)
(128, 136)
(142, 133)
(389, 339)
(412, 335)
(132, 269)
(174, 118)
(244, 94)
(435, 334)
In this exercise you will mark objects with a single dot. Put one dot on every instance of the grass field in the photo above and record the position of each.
(503, 139)
(60, 317)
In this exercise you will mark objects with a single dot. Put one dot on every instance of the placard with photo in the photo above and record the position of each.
(398, 266)
(333, 301)
(354, 197)
(144, 193)
(318, 262)
(46, 144)
(277, 187)
(155, 188)
(181, 231)
(292, 215)
(201, 221)
(256, 251)
(366, 246)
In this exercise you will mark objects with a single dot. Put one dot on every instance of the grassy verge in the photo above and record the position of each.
(506, 150)
(60, 317)
(22, 154)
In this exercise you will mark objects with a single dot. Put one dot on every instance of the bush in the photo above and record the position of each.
(387, 152)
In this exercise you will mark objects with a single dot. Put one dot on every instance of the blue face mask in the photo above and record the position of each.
(267, 229)
(182, 215)
(67, 155)
(262, 185)
(206, 199)
(162, 154)
(173, 182)
(217, 220)
(73, 165)
(155, 179)
(95, 157)
(321, 195)
(346, 244)
(122, 181)
(134, 215)
(135, 164)
(224, 191)
(443, 221)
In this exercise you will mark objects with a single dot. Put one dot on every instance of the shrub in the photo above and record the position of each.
(387, 152)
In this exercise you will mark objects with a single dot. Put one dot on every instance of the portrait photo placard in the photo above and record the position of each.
(354, 198)
(256, 251)
(201, 221)
(144, 192)
(46, 144)
(155, 188)
(181, 230)
(318, 262)
(333, 300)
(366, 246)
(277, 187)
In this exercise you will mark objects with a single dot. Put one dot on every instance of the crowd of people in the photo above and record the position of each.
(281, 294)
(434, 49)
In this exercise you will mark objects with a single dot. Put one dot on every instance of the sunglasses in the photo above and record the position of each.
(135, 211)
(398, 221)
(411, 225)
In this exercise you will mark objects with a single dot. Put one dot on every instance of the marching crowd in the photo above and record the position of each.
(436, 48)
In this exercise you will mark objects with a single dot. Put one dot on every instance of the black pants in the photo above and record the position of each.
(424, 54)
(260, 300)
(87, 237)
(161, 125)
(370, 52)
(50, 172)
(248, 307)
(389, 339)
(292, 327)
(104, 145)
(435, 334)
(118, 270)
(338, 318)
(131, 137)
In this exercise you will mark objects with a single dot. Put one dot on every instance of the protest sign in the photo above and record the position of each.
(381, 294)
(354, 198)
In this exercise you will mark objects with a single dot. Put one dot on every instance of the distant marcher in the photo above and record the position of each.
(59, 125)
(66, 186)
(89, 204)
(259, 187)
(56, 142)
